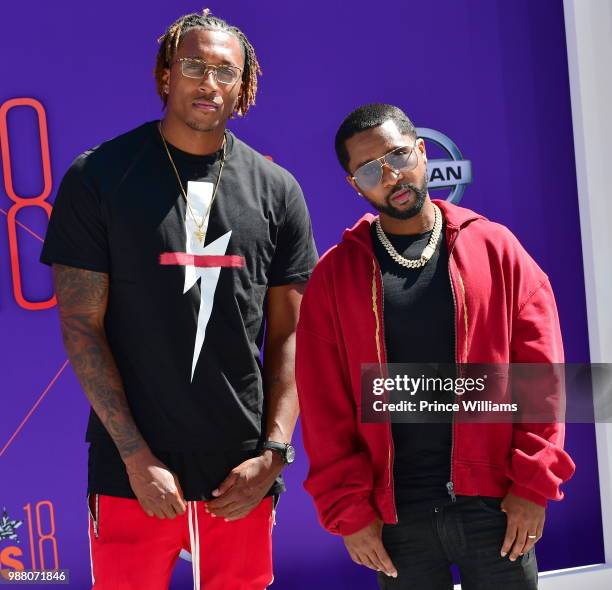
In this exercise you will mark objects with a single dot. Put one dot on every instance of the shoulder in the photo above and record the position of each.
(324, 269)
(494, 235)
(501, 245)
(267, 171)
(111, 159)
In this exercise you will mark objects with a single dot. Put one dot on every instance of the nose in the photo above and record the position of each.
(390, 176)
(209, 80)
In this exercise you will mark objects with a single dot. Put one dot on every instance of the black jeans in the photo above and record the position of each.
(469, 533)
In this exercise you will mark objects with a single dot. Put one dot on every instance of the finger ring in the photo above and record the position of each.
(532, 536)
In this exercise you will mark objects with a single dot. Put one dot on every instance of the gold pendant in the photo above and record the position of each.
(200, 235)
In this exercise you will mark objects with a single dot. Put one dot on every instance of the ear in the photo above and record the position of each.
(421, 148)
(166, 80)
(236, 103)
(354, 185)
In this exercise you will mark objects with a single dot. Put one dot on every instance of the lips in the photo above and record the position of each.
(205, 105)
(400, 197)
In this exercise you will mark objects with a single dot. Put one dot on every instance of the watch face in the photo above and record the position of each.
(290, 454)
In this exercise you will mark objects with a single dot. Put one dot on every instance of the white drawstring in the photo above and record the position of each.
(194, 543)
(93, 579)
(197, 539)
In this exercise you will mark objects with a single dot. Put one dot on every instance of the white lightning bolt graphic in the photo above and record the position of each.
(199, 195)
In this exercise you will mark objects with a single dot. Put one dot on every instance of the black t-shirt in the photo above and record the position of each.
(186, 338)
(419, 328)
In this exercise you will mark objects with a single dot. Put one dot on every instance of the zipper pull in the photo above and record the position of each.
(451, 491)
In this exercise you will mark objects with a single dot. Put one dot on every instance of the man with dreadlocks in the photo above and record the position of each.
(170, 244)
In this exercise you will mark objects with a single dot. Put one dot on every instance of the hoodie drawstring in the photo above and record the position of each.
(194, 542)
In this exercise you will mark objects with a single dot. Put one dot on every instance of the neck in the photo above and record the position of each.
(183, 137)
(419, 224)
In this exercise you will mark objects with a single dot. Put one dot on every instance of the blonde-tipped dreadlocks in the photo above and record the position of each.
(170, 40)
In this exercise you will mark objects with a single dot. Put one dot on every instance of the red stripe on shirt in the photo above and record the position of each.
(200, 260)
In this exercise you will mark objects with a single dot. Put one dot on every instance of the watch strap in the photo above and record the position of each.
(280, 448)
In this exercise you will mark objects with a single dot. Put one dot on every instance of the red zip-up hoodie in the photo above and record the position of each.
(505, 312)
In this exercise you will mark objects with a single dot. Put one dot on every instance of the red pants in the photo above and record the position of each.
(133, 551)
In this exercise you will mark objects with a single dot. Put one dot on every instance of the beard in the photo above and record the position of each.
(204, 127)
(392, 211)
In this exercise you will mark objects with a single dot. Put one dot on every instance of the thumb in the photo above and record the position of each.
(385, 561)
(147, 510)
(226, 484)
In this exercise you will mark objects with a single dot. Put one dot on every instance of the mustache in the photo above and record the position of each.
(210, 98)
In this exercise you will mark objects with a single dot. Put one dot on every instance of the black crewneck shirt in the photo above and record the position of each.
(186, 338)
(419, 328)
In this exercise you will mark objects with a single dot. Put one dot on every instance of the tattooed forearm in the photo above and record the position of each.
(82, 297)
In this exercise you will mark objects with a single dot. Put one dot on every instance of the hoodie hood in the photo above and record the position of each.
(454, 216)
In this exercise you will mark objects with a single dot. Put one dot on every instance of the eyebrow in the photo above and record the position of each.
(223, 62)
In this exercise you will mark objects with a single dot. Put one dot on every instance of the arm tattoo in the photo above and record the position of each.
(82, 297)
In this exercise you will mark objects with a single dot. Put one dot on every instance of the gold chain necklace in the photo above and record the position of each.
(199, 233)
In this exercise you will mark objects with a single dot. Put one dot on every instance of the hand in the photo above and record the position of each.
(156, 487)
(524, 518)
(245, 486)
(366, 548)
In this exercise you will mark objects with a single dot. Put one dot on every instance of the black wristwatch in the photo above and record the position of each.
(285, 450)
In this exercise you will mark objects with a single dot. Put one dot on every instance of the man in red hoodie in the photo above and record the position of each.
(425, 281)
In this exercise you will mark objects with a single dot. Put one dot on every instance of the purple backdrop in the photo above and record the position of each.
(490, 74)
